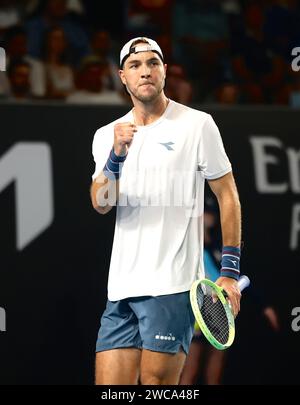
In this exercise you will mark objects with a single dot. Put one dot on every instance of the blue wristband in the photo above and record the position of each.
(113, 165)
(230, 264)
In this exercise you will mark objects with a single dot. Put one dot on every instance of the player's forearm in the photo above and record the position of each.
(104, 193)
(226, 192)
(230, 214)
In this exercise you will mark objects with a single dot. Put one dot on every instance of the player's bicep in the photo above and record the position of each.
(213, 161)
(223, 186)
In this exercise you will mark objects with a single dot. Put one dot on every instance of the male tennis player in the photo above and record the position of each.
(152, 163)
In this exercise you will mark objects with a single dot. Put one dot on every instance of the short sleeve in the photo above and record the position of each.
(101, 147)
(213, 161)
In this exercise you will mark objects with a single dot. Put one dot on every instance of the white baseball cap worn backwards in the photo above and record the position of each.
(143, 47)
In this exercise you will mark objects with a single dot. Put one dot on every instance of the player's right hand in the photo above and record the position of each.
(123, 137)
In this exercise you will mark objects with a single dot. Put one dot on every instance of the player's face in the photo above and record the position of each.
(144, 75)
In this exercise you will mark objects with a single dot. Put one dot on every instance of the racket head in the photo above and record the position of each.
(215, 319)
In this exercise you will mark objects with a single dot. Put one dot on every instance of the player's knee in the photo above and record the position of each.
(148, 378)
(159, 377)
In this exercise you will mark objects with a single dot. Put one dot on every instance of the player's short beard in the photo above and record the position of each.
(150, 98)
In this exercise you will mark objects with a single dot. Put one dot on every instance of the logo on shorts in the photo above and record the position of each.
(169, 336)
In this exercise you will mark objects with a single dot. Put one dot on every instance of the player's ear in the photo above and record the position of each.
(122, 77)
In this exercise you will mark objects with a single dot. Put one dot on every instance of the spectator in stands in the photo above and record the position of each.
(59, 73)
(167, 45)
(55, 13)
(91, 77)
(201, 33)
(4, 85)
(16, 47)
(10, 14)
(289, 93)
(178, 88)
(282, 28)
(228, 93)
(102, 48)
(19, 77)
(257, 68)
(294, 94)
(149, 18)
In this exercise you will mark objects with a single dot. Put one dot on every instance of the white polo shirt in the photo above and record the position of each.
(158, 240)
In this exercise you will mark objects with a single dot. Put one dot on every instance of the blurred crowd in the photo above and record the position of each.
(217, 51)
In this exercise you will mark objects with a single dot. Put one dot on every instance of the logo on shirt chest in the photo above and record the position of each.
(167, 145)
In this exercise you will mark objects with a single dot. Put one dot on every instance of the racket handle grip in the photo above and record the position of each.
(243, 282)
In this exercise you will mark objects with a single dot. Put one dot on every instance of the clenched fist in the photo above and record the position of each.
(123, 136)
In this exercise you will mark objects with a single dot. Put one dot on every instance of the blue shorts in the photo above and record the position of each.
(161, 324)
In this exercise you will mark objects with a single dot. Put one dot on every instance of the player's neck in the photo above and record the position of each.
(145, 114)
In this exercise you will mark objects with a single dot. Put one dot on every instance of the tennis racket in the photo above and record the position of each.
(213, 312)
